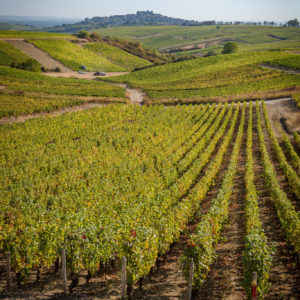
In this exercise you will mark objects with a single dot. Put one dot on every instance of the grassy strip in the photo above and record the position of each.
(206, 235)
(33, 34)
(257, 256)
(286, 212)
(293, 179)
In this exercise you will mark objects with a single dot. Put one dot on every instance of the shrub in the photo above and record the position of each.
(83, 34)
(96, 36)
(230, 47)
(29, 65)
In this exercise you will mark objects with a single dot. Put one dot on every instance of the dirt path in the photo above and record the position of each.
(23, 118)
(284, 277)
(87, 75)
(290, 71)
(42, 57)
(284, 114)
(225, 278)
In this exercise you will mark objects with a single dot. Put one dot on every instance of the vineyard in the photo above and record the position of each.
(9, 54)
(249, 37)
(138, 182)
(73, 55)
(22, 95)
(118, 56)
(236, 76)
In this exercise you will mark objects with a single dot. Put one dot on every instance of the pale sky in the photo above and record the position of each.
(251, 10)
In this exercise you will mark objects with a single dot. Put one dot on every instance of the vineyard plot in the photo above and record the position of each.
(132, 181)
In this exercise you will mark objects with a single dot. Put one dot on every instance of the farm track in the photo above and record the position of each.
(224, 281)
(167, 281)
(278, 68)
(284, 277)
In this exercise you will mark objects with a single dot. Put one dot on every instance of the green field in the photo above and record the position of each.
(225, 75)
(10, 54)
(248, 37)
(73, 55)
(32, 34)
(118, 56)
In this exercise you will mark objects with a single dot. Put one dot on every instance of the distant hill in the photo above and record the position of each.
(141, 18)
(38, 22)
(10, 26)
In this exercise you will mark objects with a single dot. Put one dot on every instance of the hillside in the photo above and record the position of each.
(10, 26)
(9, 54)
(140, 18)
(206, 38)
(73, 55)
(233, 77)
(117, 56)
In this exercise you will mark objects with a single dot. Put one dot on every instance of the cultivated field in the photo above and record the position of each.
(130, 183)
(160, 185)
(73, 55)
(228, 77)
(186, 37)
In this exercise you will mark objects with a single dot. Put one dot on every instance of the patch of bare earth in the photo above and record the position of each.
(284, 115)
(225, 278)
(42, 57)
(284, 273)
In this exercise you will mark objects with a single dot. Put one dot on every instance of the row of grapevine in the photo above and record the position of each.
(295, 160)
(286, 212)
(206, 235)
(178, 155)
(257, 256)
(297, 139)
(293, 179)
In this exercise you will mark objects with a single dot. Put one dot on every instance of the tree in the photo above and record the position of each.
(293, 23)
(230, 47)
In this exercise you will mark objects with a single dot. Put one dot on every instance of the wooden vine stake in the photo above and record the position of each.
(8, 273)
(64, 269)
(123, 278)
(191, 277)
(254, 286)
